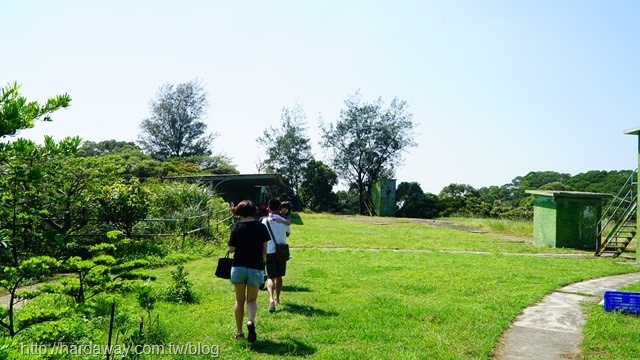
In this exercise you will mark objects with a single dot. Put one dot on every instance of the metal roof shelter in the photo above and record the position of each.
(236, 187)
(566, 219)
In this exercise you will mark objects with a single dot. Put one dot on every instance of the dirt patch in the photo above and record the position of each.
(5, 298)
(450, 225)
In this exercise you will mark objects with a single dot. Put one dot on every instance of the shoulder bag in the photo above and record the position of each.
(223, 270)
(282, 250)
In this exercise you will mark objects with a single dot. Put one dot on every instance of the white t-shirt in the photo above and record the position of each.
(279, 232)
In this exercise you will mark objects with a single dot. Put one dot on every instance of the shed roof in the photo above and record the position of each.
(238, 180)
(568, 194)
(633, 131)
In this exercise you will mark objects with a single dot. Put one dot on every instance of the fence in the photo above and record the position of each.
(205, 224)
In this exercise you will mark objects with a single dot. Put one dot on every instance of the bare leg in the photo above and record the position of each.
(278, 289)
(238, 308)
(270, 290)
(252, 297)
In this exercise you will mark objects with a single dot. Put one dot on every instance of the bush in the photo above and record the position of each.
(181, 291)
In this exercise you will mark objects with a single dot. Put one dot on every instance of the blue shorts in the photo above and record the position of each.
(244, 275)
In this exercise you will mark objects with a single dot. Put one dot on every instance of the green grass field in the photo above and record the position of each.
(383, 288)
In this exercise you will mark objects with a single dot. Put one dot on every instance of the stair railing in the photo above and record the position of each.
(618, 208)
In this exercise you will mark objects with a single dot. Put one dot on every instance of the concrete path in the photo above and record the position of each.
(552, 329)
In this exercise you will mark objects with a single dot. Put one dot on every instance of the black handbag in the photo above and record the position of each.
(282, 250)
(264, 281)
(223, 270)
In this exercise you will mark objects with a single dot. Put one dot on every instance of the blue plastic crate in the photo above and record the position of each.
(627, 302)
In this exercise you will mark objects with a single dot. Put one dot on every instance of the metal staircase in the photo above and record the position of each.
(620, 217)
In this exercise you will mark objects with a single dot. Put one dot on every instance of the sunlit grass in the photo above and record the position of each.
(611, 335)
(379, 288)
(334, 231)
(509, 227)
(384, 288)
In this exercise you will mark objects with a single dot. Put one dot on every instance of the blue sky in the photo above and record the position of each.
(497, 88)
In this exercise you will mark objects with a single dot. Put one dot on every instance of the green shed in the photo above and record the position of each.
(566, 219)
(383, 196)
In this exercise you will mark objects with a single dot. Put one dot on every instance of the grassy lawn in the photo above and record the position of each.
(611, 335)
(360, 288)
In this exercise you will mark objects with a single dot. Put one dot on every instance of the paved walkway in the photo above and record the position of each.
(552, 329)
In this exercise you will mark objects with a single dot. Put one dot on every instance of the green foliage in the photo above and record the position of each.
(414, 203)
(316, 190)
(70, 192)
(288, 149)
(181, 290)
(90, 148)
(510, 201)
(103, 272)
(10, 349)
(368, 142)
(557, 186)
(175, 128)
(146, 298)
(214, 164)
(175, 200)
(609, 182)
(347, 202)
(11, 277)
(16, 113)
(123, 205)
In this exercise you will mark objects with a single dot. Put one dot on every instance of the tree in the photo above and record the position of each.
(123, 205)
(412, 202)
(19, 178)
(100, 273)
(17, 114)
(288, 147)
(11, 277)
(368, 142)
(316, 191)
(215, 164)
(175, 128)
(90, 148)
(72, 185)
(456, 197)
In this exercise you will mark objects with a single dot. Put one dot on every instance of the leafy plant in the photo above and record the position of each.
(123, 205)
(181, 290)
(102, 272)
(11, 277)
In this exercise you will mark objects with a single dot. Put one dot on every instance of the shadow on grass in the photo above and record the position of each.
(296, 219)
(290, 347)
(307, 310)
(295, 288)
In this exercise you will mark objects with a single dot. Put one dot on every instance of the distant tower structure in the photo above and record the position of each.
(383, 196)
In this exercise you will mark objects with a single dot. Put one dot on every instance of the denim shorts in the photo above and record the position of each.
(244, 275)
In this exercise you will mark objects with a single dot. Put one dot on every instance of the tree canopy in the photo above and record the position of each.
(176, 127)
(287, 146)
(16, 113)
(368, 142)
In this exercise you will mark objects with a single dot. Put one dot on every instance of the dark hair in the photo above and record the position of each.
(274, 204)
(245, 208)
(286, 205)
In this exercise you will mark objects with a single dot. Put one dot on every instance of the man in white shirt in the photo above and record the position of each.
(276, 269)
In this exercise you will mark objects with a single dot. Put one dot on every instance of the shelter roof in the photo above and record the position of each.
(567, 194)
